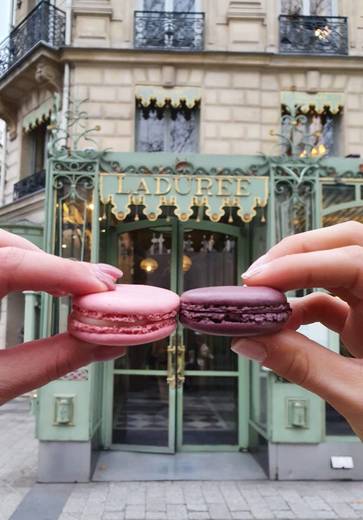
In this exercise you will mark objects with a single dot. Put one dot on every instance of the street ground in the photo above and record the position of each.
(22, 499)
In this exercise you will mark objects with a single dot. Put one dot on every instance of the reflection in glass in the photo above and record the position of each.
(344, 215)
(293, 208)
(334, 194)
(205, 353)
(213, 259)
(140, 410)
(210, 414)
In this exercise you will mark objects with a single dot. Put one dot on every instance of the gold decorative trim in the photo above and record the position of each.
(162, 96)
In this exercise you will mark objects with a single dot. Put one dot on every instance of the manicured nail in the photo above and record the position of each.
(253, 271)
(107, 274)
(111, 270)
(257, 263)
(250, 349)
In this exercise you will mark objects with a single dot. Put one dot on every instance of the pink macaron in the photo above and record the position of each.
(130, 315)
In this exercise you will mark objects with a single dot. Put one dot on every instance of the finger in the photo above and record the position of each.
(36, 363)
(340, 235)
(341, 268)
(39, 271)
(336, 379)
(324, 308)
(10, 240)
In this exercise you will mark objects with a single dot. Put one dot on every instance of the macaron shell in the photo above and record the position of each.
(124, 340)
(234, 295)
(130, 299)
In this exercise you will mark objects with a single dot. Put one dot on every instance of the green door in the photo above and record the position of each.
(189, 391)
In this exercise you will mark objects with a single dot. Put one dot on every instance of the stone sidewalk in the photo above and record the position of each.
(18, 455)
(156, 500)
(215, 501)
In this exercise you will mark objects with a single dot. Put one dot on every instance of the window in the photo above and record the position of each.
(167, 128)
(308, 7)
(308, 132)
(185, 6)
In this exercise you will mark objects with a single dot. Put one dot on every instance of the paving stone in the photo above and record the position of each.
(197, 507)
(262, 513)
(174, 493)
(119, 515)
(219, 512)
(344, 511)
(212, 493)
(156, 515)
(176, 512)
(198, 516)
(241, 515)
(135, 512)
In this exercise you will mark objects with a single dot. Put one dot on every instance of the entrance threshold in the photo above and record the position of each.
(116, 466)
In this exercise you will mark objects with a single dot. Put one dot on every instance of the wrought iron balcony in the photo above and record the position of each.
(165, 30)
(314, 35)
(29, 185)
(44, 24)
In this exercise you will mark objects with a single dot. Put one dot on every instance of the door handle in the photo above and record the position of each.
(171, 351)
(180, 372)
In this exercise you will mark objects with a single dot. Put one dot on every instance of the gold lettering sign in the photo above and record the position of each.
(184, 192)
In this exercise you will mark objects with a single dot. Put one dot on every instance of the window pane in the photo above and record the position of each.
(186, 6)
(321, 8)
(183, 133)
(210, 410)
(289, 7)
(154, 5)
(150, 132)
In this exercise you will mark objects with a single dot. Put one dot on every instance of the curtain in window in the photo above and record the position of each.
(154, 5)
(167, 130)
(185, 6)
(291, 7)
(321, 8)
(183, 133)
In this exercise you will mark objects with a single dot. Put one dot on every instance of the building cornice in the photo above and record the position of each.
(23, 209)
(212, 58)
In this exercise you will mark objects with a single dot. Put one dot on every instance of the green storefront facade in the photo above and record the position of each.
(181, 222)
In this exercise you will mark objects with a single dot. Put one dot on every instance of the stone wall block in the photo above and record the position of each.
(217, 113)
(214, 146)
(234, 97)
(246, 80)
(104, 93)
(217, 79)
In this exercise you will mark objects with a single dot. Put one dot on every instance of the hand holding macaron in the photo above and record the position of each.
(330, 258)
(26, 267)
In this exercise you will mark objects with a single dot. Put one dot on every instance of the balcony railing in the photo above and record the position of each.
(314, 35)
(44, 24)
(164, 30)
(29, 185)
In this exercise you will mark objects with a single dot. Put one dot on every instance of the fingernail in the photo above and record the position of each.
(59, 294)
(107, 274)
(253, 271)
(250, 349)
(262, 260)
(111, 270)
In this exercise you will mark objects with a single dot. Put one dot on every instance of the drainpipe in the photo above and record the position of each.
(12, 15)
(67, 68)
(2, 165)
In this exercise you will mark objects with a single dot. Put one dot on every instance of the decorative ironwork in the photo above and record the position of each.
(314, 35)
(29, 185)
(44, 24)
(169, 30)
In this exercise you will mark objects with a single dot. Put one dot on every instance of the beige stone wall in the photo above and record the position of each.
(239, 109)
(231, 25)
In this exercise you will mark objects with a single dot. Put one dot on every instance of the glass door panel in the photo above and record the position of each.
(143, 404)
(209, 401)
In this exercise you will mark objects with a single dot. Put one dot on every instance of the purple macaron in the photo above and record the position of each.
(234, 310)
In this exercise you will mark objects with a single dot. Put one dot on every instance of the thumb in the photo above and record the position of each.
(293, 356)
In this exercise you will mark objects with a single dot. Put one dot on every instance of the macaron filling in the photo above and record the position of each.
(214, 313)
(100, 323)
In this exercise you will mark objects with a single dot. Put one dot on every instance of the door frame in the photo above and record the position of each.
(176, 394)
